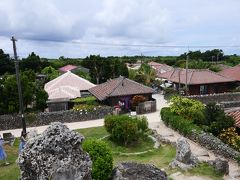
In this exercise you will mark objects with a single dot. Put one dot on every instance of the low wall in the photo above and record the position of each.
(214, 144)
(230, 104)
(14, 121)
(217, 98)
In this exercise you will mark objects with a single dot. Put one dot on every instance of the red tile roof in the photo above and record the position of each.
(232, 72)
(194, 76)
(119, 87)
(235, 114)
(67, 68)
(160, 68)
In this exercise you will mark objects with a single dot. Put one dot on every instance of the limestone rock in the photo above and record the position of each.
(130, 171)
(184, 158)
(55, 154)
(220, 165)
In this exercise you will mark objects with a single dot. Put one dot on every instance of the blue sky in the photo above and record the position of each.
(54, 28)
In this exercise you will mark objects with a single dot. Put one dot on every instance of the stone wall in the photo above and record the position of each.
(214, 144)
(14, 121)
(217, 98)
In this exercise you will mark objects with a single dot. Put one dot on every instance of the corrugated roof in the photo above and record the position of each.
(67, 85)
(232, 72)
(194, 76)
(119, 87)
(235, 114)
(67, 68)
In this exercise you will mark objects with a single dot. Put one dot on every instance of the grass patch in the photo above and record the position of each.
(11, 171)
(144, 144)
(96, 132)
(205, 170)
(159, 157)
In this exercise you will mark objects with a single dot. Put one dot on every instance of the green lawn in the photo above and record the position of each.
(159, 157)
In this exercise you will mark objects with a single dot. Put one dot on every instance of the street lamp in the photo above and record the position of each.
(19, 85)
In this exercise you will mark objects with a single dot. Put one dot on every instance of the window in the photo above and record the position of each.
(203, 89)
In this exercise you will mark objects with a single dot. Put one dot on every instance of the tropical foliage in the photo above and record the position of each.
(185, 107)
(231, 137)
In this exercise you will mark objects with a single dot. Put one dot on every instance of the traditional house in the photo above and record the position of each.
(72, 68)
(65, 87)
(160, 68)
(231, 72)
(120, 89)
(199, 81)
(235, 114)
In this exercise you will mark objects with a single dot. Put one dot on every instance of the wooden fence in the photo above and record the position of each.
(146, 107)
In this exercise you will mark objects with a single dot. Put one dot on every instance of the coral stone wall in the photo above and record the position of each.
(14, 121)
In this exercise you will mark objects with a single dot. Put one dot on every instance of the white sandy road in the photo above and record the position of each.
(152, 118)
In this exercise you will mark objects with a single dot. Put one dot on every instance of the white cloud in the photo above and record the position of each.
(196, 22)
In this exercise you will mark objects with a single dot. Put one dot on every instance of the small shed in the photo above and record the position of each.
(60, 104)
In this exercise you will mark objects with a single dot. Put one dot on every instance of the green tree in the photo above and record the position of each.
(50, 72)
(145, 75)
(10, 91)
(6, 64)
(33, 62)
(41, 99)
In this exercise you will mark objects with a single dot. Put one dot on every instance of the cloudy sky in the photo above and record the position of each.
(78, 28)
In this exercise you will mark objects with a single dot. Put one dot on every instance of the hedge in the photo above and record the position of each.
(183, 126)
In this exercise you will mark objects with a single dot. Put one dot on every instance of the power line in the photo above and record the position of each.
(157, 45)
(143, 45)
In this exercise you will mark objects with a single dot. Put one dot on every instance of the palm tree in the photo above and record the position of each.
(146, 74)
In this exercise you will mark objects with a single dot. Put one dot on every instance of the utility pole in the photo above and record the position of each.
(179, 81)
(19, 84)
(217, 58)
(141, 58)
(186, 85)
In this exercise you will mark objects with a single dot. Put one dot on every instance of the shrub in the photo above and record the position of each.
(238, 159)
(84, 107)
(30, 118)
(222, 122)
(137, 99)
(212, 111)
(124, 129)
(185, 107)
(170, 92)
(101, 157)
(184, 126)
(142, 124)
(90, 100)
(216, 120)
(231, 137)
(199, 118)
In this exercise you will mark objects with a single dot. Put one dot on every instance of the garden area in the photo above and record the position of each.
(192, 118)
(123, 138)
